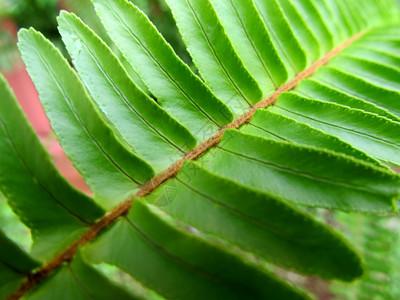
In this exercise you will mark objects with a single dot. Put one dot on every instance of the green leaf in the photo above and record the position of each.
(352, 19)
(146, 127)
(327, 15)
(256, 222)
(22, 263)
(378, 240)
(381, 57)
(100, 157)
(172, 82)
(317, 25)
(359, 88)
(376, 136)
(220, 227)
(270, 125)
(320, 178)
(380, 41)
(180, 264)
(314, 89)
(342, 28)
(289, 48)
(214, 56)
(15, 264)
(79, 281)
(301, 30)
(248, 34)
(54, 211)
(370, 71)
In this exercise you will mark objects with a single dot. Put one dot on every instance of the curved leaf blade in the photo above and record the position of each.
(256, 222)
(214, 55)
(146, 127)
(303, 175)
(371, 54)
(79, 281)
(317, 25)
(250, 38)
(314, 89)
(54, 211)
(172, 82)
(111, 171)
(179, 264)
(385, 76)
(301, 30)
(376, 136)
(270, 125)
(289, 48)
(15, 264)
(359, 88)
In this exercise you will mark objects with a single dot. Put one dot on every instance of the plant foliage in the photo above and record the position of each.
(378, 239)
(296, 104)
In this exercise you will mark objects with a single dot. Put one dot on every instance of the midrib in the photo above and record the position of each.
(122, 209)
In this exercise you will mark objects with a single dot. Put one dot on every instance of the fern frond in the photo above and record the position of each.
(378, 240)
(296, 104)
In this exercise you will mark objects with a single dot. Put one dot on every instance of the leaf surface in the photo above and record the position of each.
(100, 157)
(54, 211)
(359, 88)
(289, 48)
(313, 89)
(15, 264)
(377, 136)
(214, 56)
(301, 30)
(320, 178)
(278, 127)
(79, 281)
(172, 82)
(155, 251)
(245, 28)
(145, 126)
(256, 222)
(317, 25)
